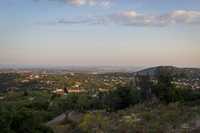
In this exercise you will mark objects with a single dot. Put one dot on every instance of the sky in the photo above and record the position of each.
(100, 32)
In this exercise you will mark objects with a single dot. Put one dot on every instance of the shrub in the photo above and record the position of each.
(94, 122)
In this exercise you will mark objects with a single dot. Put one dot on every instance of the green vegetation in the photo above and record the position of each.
(144, 104)
(24, 113)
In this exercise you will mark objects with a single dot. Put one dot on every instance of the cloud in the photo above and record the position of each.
(81, 2)
(182, 16)
(76, 21)
(103, 3)
(133, 18)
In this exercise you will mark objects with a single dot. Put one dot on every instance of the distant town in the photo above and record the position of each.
(62, 81)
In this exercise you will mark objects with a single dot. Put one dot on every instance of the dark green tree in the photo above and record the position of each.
(145, 85)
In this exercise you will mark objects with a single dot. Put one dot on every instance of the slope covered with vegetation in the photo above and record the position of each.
(143, 106)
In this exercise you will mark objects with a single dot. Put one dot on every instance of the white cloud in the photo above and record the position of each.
(133, 18)
(81, 2)
(175, 17)
(182, 16)
(103, 3)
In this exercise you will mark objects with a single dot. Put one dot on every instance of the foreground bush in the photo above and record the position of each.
(21, 121)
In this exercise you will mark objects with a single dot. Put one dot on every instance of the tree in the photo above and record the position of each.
(164, 89)
(145, 84)
(20, 121)
(84, 102)
(121, 98)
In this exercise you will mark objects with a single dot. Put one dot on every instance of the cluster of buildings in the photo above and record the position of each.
(61, 92)
(193, 84)
(29, 77)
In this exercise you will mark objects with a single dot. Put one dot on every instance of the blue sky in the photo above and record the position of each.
(100, 32)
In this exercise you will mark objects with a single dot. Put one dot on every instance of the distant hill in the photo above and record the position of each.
(175, 71)
(68, 69)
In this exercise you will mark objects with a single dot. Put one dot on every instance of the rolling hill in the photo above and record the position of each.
(175, 71)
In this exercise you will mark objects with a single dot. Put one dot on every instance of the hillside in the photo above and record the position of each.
(192, 73)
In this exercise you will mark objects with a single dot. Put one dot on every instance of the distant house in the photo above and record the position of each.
(2, 98)
(75, 90)
(103, 90)
(25, 81)
(36, 76)
(59, 92)
(72, 74)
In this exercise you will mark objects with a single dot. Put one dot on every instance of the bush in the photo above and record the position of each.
(21, 121)
(94, 122)
(122, 98)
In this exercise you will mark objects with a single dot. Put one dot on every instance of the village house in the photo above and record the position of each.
(59, 92)
(75, 90)
(103, 90)
(64, 91)
(25, 81)
(2, 97)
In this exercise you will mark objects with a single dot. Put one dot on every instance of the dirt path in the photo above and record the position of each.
(56, 120)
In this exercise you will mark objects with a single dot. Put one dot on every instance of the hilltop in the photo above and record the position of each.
(175, 71)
